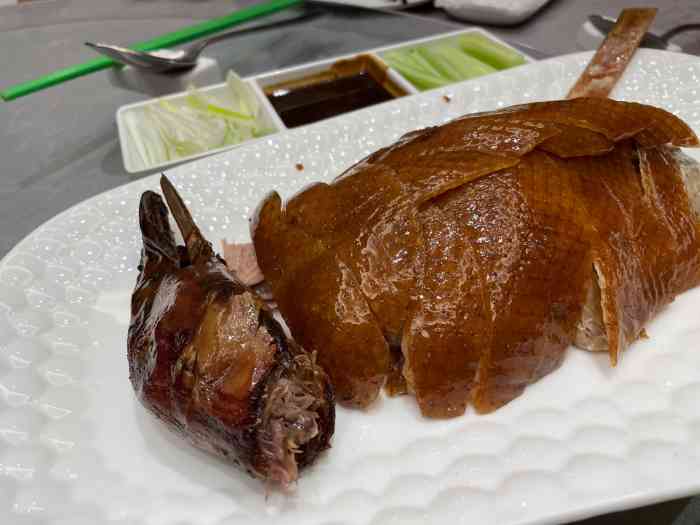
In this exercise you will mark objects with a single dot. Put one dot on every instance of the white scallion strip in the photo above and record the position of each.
(175, 129)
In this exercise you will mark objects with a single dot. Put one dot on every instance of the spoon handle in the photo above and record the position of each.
(197, 48)
(680, 29)
(168, 40)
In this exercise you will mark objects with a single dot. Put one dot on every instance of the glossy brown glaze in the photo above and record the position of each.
(473, 248)
(208, 359)
(339, 315)
(451, 322)
(646, 246)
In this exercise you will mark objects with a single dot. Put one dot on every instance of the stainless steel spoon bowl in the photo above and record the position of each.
(167, 60)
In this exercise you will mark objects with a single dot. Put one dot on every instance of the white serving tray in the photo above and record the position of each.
(132, 163)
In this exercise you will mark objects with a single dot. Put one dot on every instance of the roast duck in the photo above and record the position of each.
(456, 265)
(459, 263)
(208, 358)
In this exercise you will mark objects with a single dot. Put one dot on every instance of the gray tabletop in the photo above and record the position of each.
(60, 146)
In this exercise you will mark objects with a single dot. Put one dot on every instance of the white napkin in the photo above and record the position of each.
(496, 12)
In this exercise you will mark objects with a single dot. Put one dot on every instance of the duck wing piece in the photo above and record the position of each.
(208, 359)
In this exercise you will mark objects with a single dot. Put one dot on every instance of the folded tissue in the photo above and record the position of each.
(495, 12)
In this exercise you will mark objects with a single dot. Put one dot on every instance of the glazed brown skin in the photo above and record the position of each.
(463, 254)
(527, 264)
(208, 359)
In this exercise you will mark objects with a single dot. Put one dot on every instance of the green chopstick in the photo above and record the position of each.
(169, 39)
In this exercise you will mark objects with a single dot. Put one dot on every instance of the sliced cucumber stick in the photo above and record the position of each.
(489, 51)
(465, 66)
(418, 77)
(435, 58)
(423, 63)
(439, 64)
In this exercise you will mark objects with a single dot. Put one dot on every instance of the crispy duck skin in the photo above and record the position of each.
(208, 359)
(459, 263)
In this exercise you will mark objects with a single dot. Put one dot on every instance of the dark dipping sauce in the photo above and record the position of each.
(305, 104)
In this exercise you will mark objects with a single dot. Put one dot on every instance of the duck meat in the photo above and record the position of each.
(459, 263)
(208, 358)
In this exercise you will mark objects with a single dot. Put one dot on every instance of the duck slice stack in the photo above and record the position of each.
(459, 263)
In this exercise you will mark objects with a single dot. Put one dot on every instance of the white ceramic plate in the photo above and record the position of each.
(76, 447)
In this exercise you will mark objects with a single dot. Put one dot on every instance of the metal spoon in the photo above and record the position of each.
(167, 60)
(650, 40)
